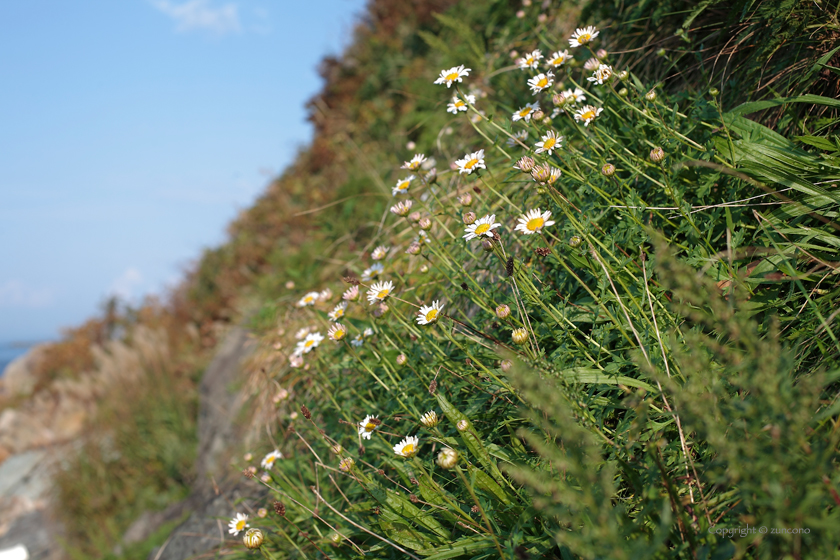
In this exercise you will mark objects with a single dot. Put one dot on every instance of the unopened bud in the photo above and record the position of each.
(402, 359)
(487, 245)
(335, 538)
(381, 310)
(651, 96)
(623, 92)
(290, 285)
(558, 99)
(506, 365)
(575, 241)
(414, 216)
(462, 425)
(424, 269)
(622, 75)
(538, 114)
(346, 464)
(469, 218)
(447, 458)
(465, 199)
(714, 92)
(262, 513)
(660, 52)
(608, 170)
(525, 164)
(657, 155)
(519, 336)
(602, 53)
(253, 539)
(425, 223)
(502, 311)
(413, 249)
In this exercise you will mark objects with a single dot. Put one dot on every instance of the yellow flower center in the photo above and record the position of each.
(460, 103)
(308, 343)
(524, 112)
(370, 426)
(382, 293)
(535, 223)
(338, 335)
(403, 185)
(542, 83)
(481, 229)
(308, 299)
(240, 524)
(431, 314)
(269, 460)
(451, 77)
(584, 38)
(558, 61)
(470, 164)
(588, 115)
(529, 61)
(548, 143)
(408, 450)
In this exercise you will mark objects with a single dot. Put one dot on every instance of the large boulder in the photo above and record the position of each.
(18, 378)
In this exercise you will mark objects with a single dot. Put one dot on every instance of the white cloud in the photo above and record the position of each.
(199, 14)
(127, 283)
(14, 293)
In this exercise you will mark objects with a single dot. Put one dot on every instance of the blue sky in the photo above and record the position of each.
(133, 131)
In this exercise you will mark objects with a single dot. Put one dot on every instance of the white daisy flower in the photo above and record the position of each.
(521, 135)
(268, 460)
(415, 162)
(367, 426)
(453, 75)
(430, 419)
(358, 340)
(483, 226)
(338, 312)
(325, 294)
(372, 272)
(238, 524)
(476, 117)
(533, 221)
(408, 447)
(575, 96)
(295, 360)
(582, 36)
(380, 253)
(309, 343)
(530, 60)
(351, 294)
(587, 114)
(525, 112)
(471, 162)
(301, 334)
(558, 59)
(308, 299)
(429, 313)
(601, 75)
(368, 332)
(422, 237)
(402, 208)
(550, 142)
(540, 82)
(337, 332)
(402, 185)
(591, 64)
(459, 104)
(545, 174)
(379, 291)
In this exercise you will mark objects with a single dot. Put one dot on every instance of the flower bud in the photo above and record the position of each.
(514, 53)
(506, 365)
(541, 173)
(465, 199)
(402, 359)
(413, 249)
(525, 164)
(447, 458)
(411, 145)
(381, 310)
(660, 52)
(346, 464)
(538, 114)
(601, 54)
(335, 538)
(520, 14)
(657, 155)
(262, 512)
(431, 176)
(469, 218)
(425, 223)
(575, 241)
(714, 92)
(424, 269)
(290, 285)
(462, 425)
(430, 419)
(253, 539)
(558, 99)
(542, 18)
(248, 456)
(414, 216)
(623, 92)
(651, 96)
(487, 245)
(502, 311)
(608, 170)
(337, 448)
(519, 336)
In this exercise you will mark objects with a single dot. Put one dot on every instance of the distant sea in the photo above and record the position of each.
(10, 351)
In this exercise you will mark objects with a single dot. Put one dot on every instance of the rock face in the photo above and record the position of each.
(17, 378)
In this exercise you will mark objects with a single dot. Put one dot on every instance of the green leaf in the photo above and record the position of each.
(461, 547)
(588, 375)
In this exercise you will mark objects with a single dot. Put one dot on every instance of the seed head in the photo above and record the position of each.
(519, 336)
(280, 509)
(469, 218)
(433, 386)
(247, 473)
(447, 458)
(474, 509)
(465, 199)
(253, 539)
(305, 412)
(657, 155)
(542, 251)
(414, 499)
(502, 311)
(509, 266)
(608, 170)
(525, 164)
(352, 280)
